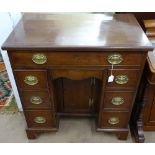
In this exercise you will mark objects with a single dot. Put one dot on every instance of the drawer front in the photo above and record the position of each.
(40, 119)
(118, 100)
(123, 78)
(36, 100)
(40, 59)
(114, 119)
(31, 79)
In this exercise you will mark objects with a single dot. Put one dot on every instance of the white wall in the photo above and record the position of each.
(8, 21)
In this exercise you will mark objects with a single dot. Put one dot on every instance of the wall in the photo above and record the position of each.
(8, 21)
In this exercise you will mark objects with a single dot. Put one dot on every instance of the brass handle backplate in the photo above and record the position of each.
(117, 100)
(121, 79)
(39, 58)
(113, 120)
(36, 100)
(115, 58)
(40, 120)
(31, 80)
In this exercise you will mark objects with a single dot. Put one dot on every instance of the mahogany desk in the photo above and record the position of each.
(62, 63)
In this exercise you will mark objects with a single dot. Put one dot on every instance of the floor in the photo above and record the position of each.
(71, 130)
(10, 106)
(6, 94)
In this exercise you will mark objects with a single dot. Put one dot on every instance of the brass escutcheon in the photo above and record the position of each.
(115, 58)
(31, 80)
(117, 100)
(113, 120)
(121, 79)
(39, 58)
(36, 100)
(39, 119)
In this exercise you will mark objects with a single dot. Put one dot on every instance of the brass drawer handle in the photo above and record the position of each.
(115, 58)
(36, 100)
(121, 79)
(39, 58)
(31, 80)
(40, 120)
(117, 100)
(113, 120)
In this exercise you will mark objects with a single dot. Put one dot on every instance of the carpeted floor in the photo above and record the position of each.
(5, 87)
(7, 102)
(12, 127)
(10, 107)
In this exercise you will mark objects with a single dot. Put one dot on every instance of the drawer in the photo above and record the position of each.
(118, 100)
(36, 100)
(44, 59)
(40, 119)
(114, 119)
(124, 78)
(31, 79)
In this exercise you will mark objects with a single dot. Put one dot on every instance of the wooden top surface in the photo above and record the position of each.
(77, 30)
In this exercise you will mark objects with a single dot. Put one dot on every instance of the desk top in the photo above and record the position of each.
(77, 30)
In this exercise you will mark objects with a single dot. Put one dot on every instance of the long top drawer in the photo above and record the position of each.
(45, 59)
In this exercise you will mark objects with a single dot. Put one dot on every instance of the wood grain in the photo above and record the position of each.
(50, 31)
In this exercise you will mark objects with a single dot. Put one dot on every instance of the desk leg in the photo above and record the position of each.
(136, 128)
(123, 135)
(31, 134)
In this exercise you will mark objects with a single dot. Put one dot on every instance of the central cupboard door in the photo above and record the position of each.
(77, 91)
